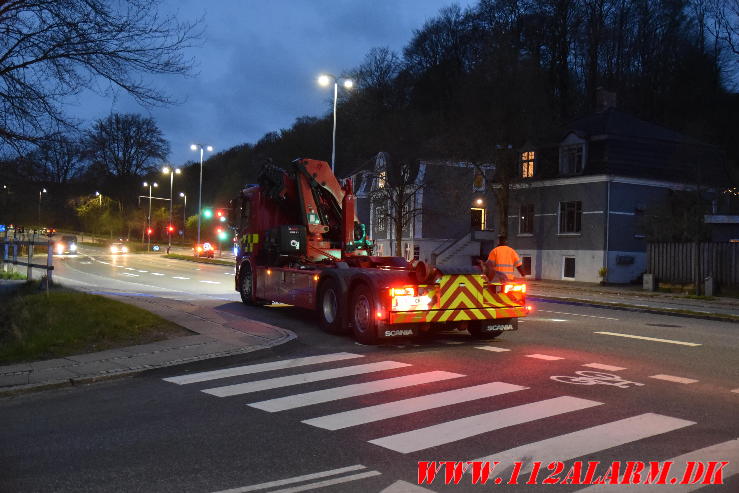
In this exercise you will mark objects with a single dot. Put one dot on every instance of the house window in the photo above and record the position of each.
(526, 264)
(570, 217)
(381, 179)
(380, 218)
(478, 182)
(416, 252)
(526, 219)
(527, 164)
(477, 219)
(568, 268)
(571, 159)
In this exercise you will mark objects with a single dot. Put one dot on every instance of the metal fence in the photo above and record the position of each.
(13, 251)
(693, 262)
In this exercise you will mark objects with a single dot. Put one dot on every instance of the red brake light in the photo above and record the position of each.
(406, 291)
(521, 288)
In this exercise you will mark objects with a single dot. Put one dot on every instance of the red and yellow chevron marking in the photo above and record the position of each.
(456, 315)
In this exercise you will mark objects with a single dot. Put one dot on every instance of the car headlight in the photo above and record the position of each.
(73, 247)
(124, 249)
(59, 248)
(113, 249)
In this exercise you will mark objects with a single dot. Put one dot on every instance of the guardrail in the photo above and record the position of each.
(12, 248)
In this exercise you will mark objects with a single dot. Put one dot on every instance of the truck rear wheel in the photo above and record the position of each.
(246, 286)
(329, 307)
(362, 313)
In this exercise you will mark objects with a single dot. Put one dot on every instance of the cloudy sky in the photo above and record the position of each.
(258, 64)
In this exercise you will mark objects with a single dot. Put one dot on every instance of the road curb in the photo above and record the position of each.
(635, 308)
(124, 373)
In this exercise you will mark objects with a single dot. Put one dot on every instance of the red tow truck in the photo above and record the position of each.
(298, 241)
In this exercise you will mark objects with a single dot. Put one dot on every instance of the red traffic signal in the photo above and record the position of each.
(219, 230)
(170, 228)
(149, 231)
(219, 213)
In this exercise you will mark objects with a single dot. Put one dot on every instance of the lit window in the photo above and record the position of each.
(381, 178)
(527, 164)
(571, 159)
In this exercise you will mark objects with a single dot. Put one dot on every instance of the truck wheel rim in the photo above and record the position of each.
(246, 285)
(362, 313)
(329, 306)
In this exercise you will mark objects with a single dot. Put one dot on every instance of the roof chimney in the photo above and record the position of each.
(604, 100)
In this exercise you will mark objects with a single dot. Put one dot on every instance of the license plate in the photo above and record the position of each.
(493, 328)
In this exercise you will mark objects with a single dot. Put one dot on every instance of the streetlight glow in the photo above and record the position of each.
(178, 171)
(324, 79)
(348, 83)
(165, 170)
(193, 147)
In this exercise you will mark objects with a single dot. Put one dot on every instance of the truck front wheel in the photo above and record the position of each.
(362, 315)
(246, 285)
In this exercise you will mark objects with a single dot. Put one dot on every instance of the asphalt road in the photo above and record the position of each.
(326, 414)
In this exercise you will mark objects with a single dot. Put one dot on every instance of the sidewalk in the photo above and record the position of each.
(217, 334)
(634, 298)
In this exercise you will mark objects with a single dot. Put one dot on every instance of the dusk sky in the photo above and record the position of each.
(259, 61)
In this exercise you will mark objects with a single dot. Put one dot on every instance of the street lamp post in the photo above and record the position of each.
(209, 148)
(43, 190)
(148, 219)
(100, 198)
(184, 215)
(325, 80)
(172, 172)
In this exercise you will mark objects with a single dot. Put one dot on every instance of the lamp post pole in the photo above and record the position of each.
(184, 215)
(324, 80)
(148, 219)
(171, 172)
(202, 147)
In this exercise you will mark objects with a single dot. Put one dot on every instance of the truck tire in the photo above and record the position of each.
(246, 286)
(479, 329)
(361, 313)
(330, 307)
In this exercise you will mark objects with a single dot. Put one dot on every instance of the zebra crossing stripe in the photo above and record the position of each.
(725, 451)
(316, 376)
(459, 429)
(413, 405)
(589, 440)
(328, 482)
(336, 393)
(261, 367)
(296, 479)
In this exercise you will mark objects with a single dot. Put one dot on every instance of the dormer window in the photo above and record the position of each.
(571, 159)
(527, 164)
(381, 178)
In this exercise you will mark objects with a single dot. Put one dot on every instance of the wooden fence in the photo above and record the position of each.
(693, 262)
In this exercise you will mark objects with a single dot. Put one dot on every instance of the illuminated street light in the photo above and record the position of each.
(325, 80)
(100, 198)
(209, 148)
(172, 172)
(43, 190)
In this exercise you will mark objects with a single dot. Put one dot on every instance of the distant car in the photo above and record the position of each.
(205, 250)
(67, 244)
(118, 247)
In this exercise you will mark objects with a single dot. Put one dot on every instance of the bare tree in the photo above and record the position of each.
(59, 158)
(726, 26)
(51, 49)
(127, 145)
(397, 187)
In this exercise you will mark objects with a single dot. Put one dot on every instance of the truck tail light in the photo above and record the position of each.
(405, 291)
(521, 288)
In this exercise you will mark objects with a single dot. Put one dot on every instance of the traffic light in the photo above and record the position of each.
(149, 231)
(170, 228)
(221, 214)
(207, 213)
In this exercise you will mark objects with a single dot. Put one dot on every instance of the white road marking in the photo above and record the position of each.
(576, 314)
(316, 376)
(413, 405)
(156, 274)
(142, 271)
(296, 479)
(588, 441)
(451, 431)
(130, 268)
(493, 349)
(129, 274)
(261, 367)
(544, 357)
(211, 282)
(600, 366)
(644, 338)
(328, 482)
(670, 378)
(354, 390)
(103, 262)
(725, 451)
(180, 277)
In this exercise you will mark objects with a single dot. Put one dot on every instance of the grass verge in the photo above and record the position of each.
(36, 326)
(201, 260)
(12, 276)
